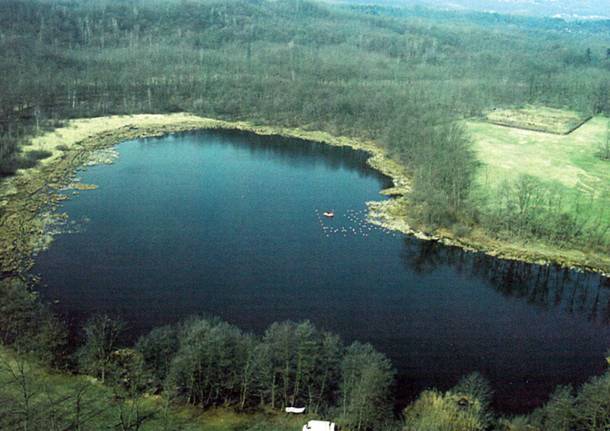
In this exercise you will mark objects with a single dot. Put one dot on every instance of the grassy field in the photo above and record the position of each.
(568, 165)
(541, 119)
(569, 160)
(49, 400)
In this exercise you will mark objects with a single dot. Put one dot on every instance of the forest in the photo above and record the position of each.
(404, 77)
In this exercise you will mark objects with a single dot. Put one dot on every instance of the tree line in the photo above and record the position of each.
(528, 207)
(207, 363)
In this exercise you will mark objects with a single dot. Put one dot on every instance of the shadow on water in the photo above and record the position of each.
(292, 152)
(546, 286)
(569, 296)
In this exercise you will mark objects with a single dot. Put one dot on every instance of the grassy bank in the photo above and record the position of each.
(29, 199)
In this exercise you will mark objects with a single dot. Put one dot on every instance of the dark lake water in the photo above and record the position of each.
(229, 224)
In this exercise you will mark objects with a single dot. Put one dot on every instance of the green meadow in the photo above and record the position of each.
(530, 181)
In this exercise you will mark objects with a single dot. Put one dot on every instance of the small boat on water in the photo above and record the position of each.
(329, 214)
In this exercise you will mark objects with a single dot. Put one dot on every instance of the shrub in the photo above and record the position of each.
(434, 411)
(463, 408)
(29, 326)
(31, 158)
(8, 157)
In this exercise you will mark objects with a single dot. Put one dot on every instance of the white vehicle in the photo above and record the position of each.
(319, 426)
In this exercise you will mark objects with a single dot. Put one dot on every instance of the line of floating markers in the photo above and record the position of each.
(352, 222)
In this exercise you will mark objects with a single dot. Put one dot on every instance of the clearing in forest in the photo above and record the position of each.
(541, 119)
(570, 162)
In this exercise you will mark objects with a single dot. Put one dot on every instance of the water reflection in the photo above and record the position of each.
(233, 228)
(546, 286)
(293, 152)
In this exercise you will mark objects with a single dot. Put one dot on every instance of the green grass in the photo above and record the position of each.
(569, 160)
(537, 118)
(52, 399)
(568, 165)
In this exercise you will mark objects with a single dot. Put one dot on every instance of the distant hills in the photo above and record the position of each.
(566, 9)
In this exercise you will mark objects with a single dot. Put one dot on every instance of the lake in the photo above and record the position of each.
(231, 224)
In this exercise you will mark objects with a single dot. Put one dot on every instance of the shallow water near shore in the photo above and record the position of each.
(231, 224)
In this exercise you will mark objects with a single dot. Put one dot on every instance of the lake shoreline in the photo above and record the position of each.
(29, 200)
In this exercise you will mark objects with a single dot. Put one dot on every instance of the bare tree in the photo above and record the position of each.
(18, 378)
